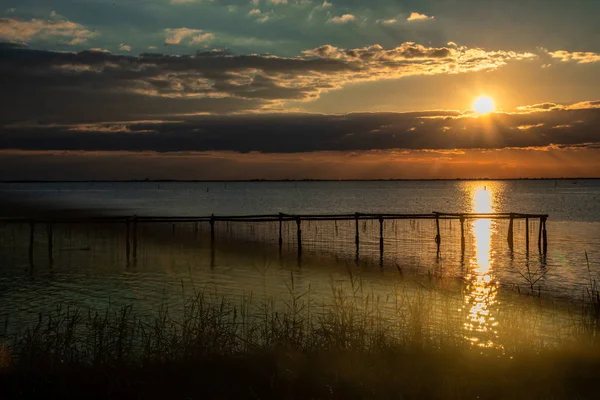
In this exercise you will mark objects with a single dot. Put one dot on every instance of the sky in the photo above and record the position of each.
(298, 89)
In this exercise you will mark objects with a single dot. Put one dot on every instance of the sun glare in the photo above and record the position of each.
(484, 105)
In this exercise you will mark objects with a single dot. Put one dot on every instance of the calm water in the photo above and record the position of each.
(90, 266)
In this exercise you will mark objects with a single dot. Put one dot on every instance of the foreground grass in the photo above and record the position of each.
(348, 348)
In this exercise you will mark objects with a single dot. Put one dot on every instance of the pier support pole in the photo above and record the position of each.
(510, 237)
(381, 240)
(540, 236)
(527, 235)
(135, 238)
(299, 235)
(212, 228)
(545, 237)
(438, 237)
(31, 240)
(50, 244)
(280, 231)
(462, 233)
(128, 241)
(356, 237)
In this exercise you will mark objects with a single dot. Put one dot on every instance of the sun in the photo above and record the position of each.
(484, 105)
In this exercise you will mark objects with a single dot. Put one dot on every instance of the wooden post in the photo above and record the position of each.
(50, 244)
(280, 231)
(540, 236)
(462, 233)
(527, 234)
(438, 237)
(128, 242)
(299, 235)
(356, 237)
(196, 228)
(31, 240)
(135, 238)
(212, 228)
(511, 232)
(381, 239)
(545, 238)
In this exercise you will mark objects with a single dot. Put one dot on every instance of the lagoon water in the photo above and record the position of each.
(90, 268)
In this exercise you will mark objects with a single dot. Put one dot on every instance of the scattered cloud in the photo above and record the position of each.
(254, 11)
(191, 36)
(99, 50)
(342, 19)
(580, 57)
(415, 16)
(189, 1)
(21, 31)
(10, 11)
(203, 38)
(124, 47)
(387, 21)
(278, 1)
(213, 81)
(326, 4)
(152, 47)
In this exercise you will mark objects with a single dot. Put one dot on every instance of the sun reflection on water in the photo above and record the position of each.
(482, 287)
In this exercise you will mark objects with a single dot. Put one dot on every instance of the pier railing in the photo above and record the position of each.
(131, 225)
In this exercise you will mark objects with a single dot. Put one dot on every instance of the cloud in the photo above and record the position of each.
(192, 36)
(189, 1)
(326, 4)
(581, 57)
(342, 19)
(278, 1)
(152, 47)
(254, 11)
(387, 21)
(92, 85)
(124, 47)
(415, 16)
(15, 30)
(437, 131)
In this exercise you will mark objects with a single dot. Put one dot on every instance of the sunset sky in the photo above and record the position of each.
(296, 89)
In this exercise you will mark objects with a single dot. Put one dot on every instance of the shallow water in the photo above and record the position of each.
(91, 269)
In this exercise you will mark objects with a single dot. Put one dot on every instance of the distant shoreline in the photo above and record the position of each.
(291, 180)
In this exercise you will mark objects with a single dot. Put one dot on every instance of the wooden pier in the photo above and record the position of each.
(130, 224)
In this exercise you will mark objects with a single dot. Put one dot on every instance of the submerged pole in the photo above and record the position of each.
(135, 238)
(299, 235)
(280, 231)
(438, 237)
(212, 228)
(356, 237)
(31, 240)
(381, 239)
(511, 232)
(527, 234)
(540, 236)
(462, 233)
(128, 243)
(50, 244)
(545, 234)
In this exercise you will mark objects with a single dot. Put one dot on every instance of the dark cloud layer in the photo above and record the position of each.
(88, 86)
(435, 130)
